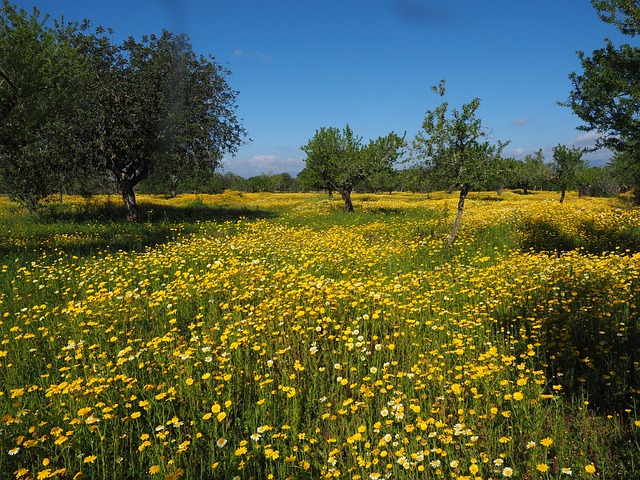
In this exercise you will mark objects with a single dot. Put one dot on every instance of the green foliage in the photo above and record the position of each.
(598, 182)
(73, 104)
(606, 95)
(452, 148)
(40, 74)
(624, 14)
(625, 165)
(534, 173)
(177, 119)
(567, 166)
(453, 151)
(338, 161)
(503, 173)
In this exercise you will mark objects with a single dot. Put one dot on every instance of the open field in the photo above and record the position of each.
(273, 336)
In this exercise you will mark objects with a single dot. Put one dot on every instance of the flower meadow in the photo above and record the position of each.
(273, 336)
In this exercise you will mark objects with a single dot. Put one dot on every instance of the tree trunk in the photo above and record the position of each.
(345, 193)
(129, 198)
(464, 191)
(525, 190)
(562, 196)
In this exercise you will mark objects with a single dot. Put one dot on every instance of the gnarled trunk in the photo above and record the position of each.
(129, 198)
(562, 194)
(345, 193)
(464, 191)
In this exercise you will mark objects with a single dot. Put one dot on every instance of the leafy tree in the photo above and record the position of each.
(625, 166)
(606, 95)
(283, 182)
(73, 104)
(534, 172)
(598, 182)
(503, 173)
(567, 167)
(40, 73)
(233, 181)
(156, 107)
(453, 152)
(259, 183)
(383, 181)
(415, 179)
(338, 161)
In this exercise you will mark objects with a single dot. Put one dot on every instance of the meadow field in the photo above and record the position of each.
(274, 336)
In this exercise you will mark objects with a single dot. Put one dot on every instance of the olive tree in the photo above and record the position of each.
(40, 75)
(337, 160)
(73, 105)
(567, 166)
(453, 148)
(606, 94)
(534, 172)
(156, 108)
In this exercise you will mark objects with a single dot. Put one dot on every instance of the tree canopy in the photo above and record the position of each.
(606, 94)
(567, 166)
(452, 148)
(624, 14)
(337, 160)
(72, 101)
(40, 73)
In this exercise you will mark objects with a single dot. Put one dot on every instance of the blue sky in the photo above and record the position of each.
(300, 65)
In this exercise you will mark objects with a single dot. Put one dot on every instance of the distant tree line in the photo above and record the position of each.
(526, 176)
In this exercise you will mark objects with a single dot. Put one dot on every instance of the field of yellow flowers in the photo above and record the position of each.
(273, 336)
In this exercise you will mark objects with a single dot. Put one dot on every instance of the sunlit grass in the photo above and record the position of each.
(275, 336)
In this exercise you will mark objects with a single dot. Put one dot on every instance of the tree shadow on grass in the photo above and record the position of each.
(589, 327)
(545, 236)
(604, 238)
(92, 228)
(587, 333)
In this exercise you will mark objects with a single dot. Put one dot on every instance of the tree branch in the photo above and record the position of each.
(13, 100)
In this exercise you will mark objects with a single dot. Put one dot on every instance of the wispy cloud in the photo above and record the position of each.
(263, 56)
(240, 52)
(520, 122)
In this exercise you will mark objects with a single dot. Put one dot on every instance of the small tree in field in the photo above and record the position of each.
(567, 165)
(337, 160)
(451, 148)
(533, 172)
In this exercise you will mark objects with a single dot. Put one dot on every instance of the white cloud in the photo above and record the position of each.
(263, 56)
(263, 161)
(259, 164)
(516, 152)
(520, 122)
(587, 140)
